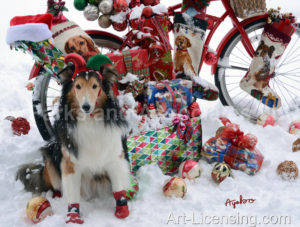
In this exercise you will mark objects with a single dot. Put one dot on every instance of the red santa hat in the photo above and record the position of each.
(33, 28)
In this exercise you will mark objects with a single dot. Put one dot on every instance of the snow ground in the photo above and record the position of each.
(273, 196)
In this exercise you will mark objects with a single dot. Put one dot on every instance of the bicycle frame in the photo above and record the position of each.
(213, 24)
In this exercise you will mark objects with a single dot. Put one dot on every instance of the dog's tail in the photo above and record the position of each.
(32, 176)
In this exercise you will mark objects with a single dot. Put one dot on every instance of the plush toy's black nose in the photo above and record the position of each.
(86, 107)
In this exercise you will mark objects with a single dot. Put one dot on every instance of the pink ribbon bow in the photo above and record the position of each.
(183, 127)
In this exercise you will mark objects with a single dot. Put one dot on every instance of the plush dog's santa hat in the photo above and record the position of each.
(33, 28)
(64, 31)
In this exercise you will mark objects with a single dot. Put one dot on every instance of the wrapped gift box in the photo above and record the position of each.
(239, 151)
(166, 146)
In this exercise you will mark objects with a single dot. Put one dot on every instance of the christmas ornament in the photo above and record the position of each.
(175, 187)
(80, 4)
(220, 172)
(30, 86)
(148, 2)
(288, 170)
(38, 208)
(294, 127)
(296, 145)
(19, 125)
(274, 41)
(120, 26)
(106, 6)
(189, 169)
(210, 58)
(94, 2)
(104, 21)
(265, 119)
(120, 6)
(147, 12)
(91, 13)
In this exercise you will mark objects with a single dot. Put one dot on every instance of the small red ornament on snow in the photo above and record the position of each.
(265, 119)
(175, 187)
(189, 169)
(30, 86)
(19, 125)
(294, 127)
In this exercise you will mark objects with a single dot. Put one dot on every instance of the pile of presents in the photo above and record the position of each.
(155, 89)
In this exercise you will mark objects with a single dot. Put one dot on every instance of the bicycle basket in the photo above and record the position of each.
(248, 8)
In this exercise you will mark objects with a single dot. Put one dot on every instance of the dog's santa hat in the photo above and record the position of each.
(33, 28)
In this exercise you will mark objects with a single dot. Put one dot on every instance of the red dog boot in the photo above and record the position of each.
(73, 215)
(121, 204)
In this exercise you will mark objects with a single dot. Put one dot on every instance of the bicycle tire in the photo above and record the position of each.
(224, 95)
(40, 98)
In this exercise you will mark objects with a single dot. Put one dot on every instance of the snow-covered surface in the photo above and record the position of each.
(273, 196)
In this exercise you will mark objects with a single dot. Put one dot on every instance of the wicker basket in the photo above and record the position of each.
(248, 8)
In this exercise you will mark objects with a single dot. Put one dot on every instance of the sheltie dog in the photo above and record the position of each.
(88, 149)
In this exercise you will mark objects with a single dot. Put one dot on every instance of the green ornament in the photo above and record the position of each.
(94, 2)
(80, 4)
(96, 61)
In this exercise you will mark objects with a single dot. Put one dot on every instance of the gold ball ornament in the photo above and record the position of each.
(175, 187)
(220, 172)
(104, 21)
(288, 170)
(38, 208)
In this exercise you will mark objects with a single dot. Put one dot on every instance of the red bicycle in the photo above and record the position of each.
(234, 53)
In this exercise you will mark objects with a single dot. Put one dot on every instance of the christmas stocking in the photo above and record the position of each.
(189, 36)
(275, 38)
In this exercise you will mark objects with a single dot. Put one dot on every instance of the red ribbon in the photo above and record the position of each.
(233, 133)
(183, 127)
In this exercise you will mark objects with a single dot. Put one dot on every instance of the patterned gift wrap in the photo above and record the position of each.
(201, 92)
(164, 147)
(170, 96)
(45, 53)
(219, 149)
(135, 62)
(161, 68)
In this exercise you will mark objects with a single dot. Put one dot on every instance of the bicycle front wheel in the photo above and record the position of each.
(234, 63)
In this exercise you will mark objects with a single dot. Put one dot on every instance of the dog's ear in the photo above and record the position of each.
(262, 43)
(90, 44)
(188, 42)
(177, 40)
(109, 73)
(65, 75)
(271, 51)
(67, 48)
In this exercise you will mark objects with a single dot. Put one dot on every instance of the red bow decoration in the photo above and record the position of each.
(237, 137)
(183, 127)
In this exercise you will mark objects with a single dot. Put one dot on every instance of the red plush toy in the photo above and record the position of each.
(19, 125)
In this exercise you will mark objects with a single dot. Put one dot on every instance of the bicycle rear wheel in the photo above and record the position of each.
(47, 89)
(234, 64)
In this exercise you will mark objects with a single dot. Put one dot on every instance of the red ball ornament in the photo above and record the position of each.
(19, 125)
(148, 2)
(120, 26)
(147, 12)
(210, 58)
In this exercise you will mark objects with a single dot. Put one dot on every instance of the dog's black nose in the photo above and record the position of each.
(86, 107)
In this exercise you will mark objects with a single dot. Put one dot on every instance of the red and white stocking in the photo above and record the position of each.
(122, 210)
(274, 40)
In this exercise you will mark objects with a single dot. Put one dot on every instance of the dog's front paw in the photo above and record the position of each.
(74, 218)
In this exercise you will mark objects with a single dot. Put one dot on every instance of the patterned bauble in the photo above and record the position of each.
(106, 6)
(94, 2)
(38, 208)
(265, 119)
(175, 187)
(295, 127)
(120, 26)
(80, 4)
(91, 12)
(296, 145)
(189, 169)
(288, 170)
(120, 6)
(147, 12)
(104, 21)
(220, 172)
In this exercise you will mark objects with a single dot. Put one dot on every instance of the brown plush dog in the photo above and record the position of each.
(263, 74)
(81, 45)
(182, 57)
